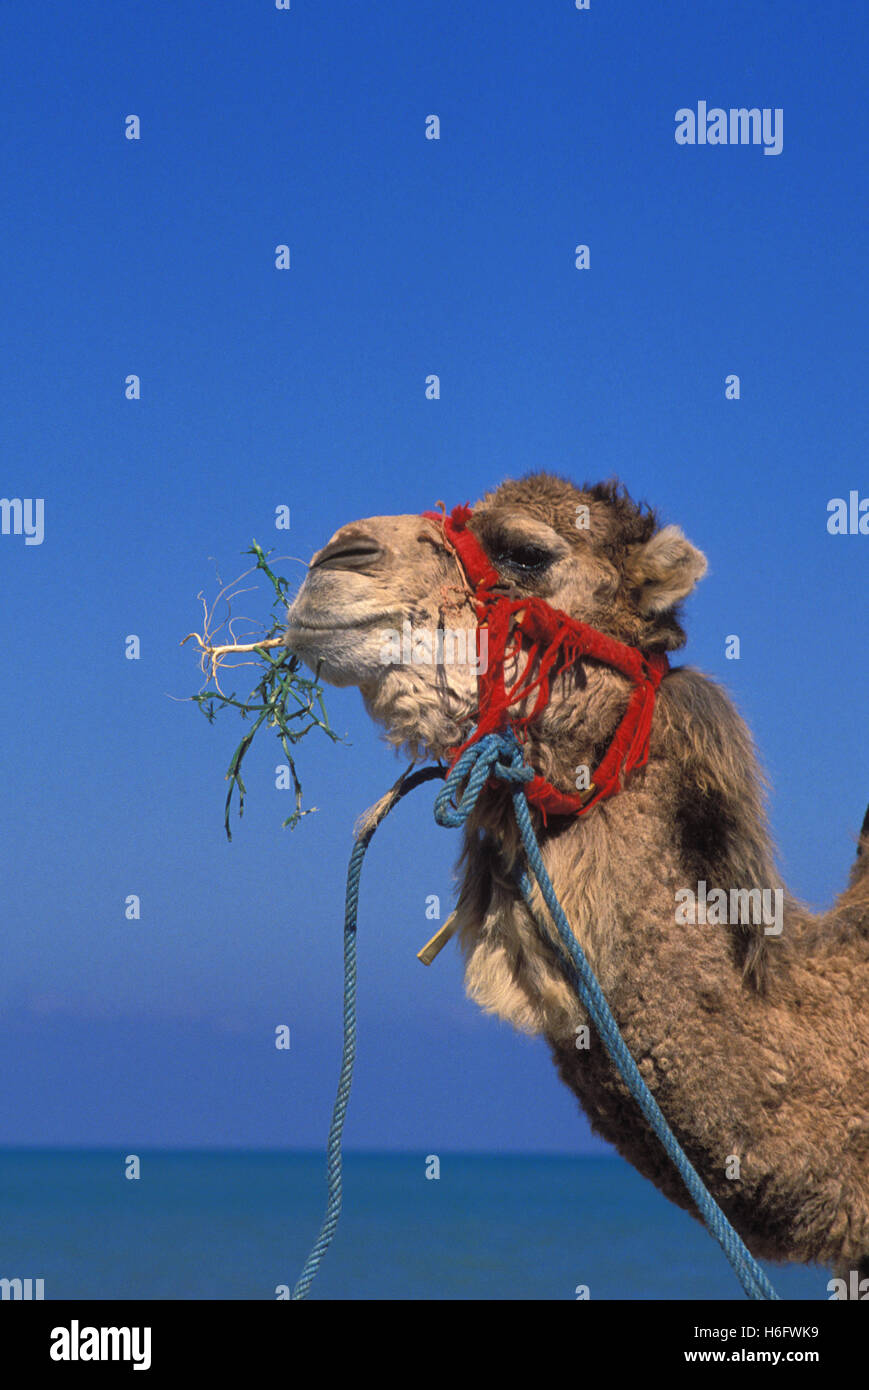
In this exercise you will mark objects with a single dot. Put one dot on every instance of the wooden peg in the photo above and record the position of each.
(438, 941)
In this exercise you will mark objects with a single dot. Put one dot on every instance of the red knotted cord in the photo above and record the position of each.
(553, 641)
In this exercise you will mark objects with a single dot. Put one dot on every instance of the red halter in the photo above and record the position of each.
(555, 641)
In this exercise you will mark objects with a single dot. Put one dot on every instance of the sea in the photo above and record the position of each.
(239, 1225)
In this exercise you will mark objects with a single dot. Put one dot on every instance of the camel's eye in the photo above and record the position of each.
(522, 558)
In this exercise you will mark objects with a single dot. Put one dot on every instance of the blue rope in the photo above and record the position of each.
(334, 1167)
(500, 755)
(334, 1174)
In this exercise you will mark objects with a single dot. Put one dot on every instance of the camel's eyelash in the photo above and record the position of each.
(525, 557)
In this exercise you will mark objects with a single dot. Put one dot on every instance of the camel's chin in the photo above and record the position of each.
(348, 655)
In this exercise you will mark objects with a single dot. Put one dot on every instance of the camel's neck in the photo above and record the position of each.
(642, 870)
(699, 815)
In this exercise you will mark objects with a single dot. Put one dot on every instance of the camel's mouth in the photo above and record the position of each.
(299, 625)
(345, 648)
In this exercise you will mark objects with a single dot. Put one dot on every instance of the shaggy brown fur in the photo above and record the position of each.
(756, 1046)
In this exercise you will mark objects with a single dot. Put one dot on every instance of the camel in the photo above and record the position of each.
(753, 1034)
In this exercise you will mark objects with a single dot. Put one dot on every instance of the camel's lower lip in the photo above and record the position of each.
(296, 625)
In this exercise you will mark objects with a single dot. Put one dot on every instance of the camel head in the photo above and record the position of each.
(383, 589)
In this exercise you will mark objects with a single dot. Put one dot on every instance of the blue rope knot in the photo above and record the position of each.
(500, 755)
(476, 765)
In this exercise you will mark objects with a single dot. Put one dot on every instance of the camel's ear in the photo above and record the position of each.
(664, 570)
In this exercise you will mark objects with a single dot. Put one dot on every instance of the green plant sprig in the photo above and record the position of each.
(283, 699)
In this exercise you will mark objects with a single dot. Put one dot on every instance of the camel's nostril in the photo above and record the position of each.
(355, 552)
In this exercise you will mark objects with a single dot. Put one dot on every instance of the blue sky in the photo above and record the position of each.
(306, 387)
